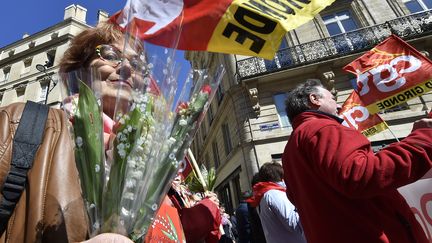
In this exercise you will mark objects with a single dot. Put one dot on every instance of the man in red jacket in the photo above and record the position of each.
(342, 190)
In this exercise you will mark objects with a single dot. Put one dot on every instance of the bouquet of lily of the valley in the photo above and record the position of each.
(128, 151)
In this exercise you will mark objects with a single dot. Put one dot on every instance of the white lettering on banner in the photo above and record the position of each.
(258, 19)
(159, 12)
(392, 82)
(357, 119)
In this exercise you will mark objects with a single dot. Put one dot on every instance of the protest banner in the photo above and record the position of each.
(356, 116)
(419, 197)
(247, 27)
(391, 74)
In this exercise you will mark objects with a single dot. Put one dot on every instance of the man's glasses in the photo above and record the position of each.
(115, 57)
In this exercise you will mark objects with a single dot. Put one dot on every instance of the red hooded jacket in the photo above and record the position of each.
(346, 193)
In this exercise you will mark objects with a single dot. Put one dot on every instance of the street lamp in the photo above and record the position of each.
(42, 68)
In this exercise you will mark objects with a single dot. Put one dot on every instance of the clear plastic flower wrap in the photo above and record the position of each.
(128, 151)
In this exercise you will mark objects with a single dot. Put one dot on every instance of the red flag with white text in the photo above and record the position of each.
(247, 27)
(356, 116)
(390, 74)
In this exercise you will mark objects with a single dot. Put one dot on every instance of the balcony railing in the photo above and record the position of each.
(407, 27)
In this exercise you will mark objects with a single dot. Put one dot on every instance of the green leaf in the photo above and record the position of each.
(195, 185)
(211, 179)
(90, 152)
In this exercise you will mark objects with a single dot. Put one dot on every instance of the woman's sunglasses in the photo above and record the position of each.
(115, 57)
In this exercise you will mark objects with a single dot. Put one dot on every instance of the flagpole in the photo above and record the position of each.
(388, 127)
(196, 168)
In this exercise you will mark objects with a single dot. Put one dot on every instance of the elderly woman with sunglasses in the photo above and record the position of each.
(98, 50)
(115, 73)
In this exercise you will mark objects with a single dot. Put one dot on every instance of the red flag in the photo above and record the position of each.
(185, 167)
(356, 116)
(253, 28)
(390, 74)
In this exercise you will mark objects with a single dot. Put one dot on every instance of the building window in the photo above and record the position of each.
(27, 66)
(226, 138)
(203, 130)
(207, 161)
(219, 93)
(194, 146)
(20, 93)
(210, 114)
(215, 154)
(276, 157)
(279, 100)
(50, 58)
(237, 188)
(198, 142)
(339, 22)
(6, 74)
(225, 199)
(415, 6)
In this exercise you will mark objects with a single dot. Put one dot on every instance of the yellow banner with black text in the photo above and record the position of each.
(401, 97)
(375, 129)
(256, 27)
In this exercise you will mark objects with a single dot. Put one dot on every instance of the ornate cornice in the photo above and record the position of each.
(253, 96)
(328, 79)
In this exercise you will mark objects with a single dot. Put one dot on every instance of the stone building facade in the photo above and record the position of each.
(247, 125)
(28, 67)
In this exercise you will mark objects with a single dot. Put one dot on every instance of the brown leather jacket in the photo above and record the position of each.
(51, 208)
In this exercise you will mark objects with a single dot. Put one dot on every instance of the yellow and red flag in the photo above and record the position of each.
(247, 27)
(391, 74)
(356, 116)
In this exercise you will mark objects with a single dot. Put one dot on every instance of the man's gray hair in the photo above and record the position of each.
(298, 99)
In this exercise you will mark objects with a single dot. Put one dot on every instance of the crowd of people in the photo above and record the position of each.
(331, 186)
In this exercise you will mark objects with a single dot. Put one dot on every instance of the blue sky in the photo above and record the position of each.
(31, 16)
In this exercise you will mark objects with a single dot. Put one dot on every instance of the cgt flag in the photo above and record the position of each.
(356, 116)
(247, 27)
(391, 74)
